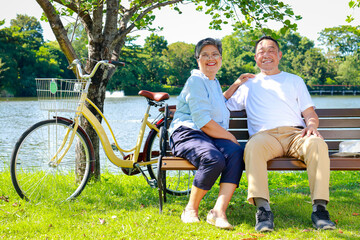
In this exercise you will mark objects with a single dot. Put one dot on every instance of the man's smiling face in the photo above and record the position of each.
(267, 57)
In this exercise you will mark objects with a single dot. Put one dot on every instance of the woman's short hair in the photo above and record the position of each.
(205, 42)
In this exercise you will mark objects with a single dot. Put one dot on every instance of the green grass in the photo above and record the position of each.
(123, 207)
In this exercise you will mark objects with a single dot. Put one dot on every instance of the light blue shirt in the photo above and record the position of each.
(200, 101)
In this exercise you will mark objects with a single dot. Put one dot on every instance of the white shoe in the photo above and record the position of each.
(187, 217)
(218, 222)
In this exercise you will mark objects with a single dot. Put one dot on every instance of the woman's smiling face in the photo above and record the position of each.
(209, 61)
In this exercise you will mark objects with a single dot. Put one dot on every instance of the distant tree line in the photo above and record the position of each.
(159, 66)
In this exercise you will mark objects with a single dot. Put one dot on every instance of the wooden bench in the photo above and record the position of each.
(336, 125)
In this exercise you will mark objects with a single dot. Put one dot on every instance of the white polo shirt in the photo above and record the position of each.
(272, 101)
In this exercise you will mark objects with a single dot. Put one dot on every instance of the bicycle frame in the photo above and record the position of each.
(99, 129)
(106, 143)
(126, 163)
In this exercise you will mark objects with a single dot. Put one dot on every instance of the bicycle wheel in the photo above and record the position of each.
(36, 177)
(178, 182)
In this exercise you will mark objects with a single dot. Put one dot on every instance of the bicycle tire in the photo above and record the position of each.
(178, 182)
(37, 179)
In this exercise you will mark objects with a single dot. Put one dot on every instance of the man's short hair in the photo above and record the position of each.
(205, 42)
(267, 38)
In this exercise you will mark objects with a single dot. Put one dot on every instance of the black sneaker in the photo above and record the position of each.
(264, 220)
(321, 219)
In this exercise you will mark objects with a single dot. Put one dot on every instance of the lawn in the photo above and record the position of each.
(125, 207)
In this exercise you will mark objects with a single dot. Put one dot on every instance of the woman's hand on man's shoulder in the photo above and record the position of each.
(244, 77)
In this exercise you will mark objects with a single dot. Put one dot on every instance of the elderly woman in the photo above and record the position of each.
(198, 133)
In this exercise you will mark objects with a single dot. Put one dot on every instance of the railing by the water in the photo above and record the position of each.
(334, 89)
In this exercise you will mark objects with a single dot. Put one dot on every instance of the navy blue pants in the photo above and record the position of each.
(212, 156)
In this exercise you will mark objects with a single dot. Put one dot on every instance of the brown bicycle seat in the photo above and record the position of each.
(156, 96)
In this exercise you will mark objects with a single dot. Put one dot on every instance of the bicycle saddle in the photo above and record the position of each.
(156, 96)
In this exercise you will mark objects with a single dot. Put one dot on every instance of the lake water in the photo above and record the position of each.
(124, 115)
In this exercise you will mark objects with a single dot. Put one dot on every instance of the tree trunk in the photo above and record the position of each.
(96, 94)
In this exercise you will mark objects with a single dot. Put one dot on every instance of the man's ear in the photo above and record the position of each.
(280, 55)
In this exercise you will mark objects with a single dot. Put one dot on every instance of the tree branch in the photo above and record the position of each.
(111, 17)
(83, 14)
(58, 29)
(97, 23)
(146, 11)
(110, 27)
(123, 31)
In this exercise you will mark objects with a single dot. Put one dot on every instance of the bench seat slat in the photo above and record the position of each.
(343, 122)
(324, 123)
(326, 133)
(176, 163)
(340, 134)
(338, 112)
(277, 164)
(324, 112)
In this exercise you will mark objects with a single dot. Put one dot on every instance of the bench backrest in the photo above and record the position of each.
(336, 125)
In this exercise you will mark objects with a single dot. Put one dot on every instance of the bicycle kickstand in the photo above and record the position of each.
(151, 182)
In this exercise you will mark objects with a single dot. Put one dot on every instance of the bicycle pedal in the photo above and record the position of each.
(153, 183)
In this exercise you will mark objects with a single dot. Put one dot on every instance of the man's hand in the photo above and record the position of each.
(312, 123)
(311, 130)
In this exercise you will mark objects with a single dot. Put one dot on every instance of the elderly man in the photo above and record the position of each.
(275, 103)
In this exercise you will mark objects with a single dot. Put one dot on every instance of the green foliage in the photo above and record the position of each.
(238, 55)
(25, 56)
(179, 60)
(300, 57)
(130, 78)
(153, 48)
(78, 37)
(352, 5)
(155, 44)
(349, 71)
(3, 69)
(255, 14)
(344, 39)
(153, 66)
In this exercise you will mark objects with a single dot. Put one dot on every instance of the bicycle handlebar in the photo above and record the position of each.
(76, 63)
(117, 63)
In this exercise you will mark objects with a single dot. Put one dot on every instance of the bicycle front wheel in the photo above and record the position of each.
(178, 182)
(36, 171)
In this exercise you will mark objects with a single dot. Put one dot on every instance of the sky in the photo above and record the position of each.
(191, 26)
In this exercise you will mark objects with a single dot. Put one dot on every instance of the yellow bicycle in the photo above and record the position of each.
(53, 159)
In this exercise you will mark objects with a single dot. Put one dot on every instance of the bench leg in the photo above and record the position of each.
(162, 189)
(160, 193)
(163, 175)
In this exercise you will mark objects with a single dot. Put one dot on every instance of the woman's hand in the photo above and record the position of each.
(243, 78)
(214, 130)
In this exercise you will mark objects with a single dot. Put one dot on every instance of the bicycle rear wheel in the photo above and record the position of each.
(178, 182)
(36, 177)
